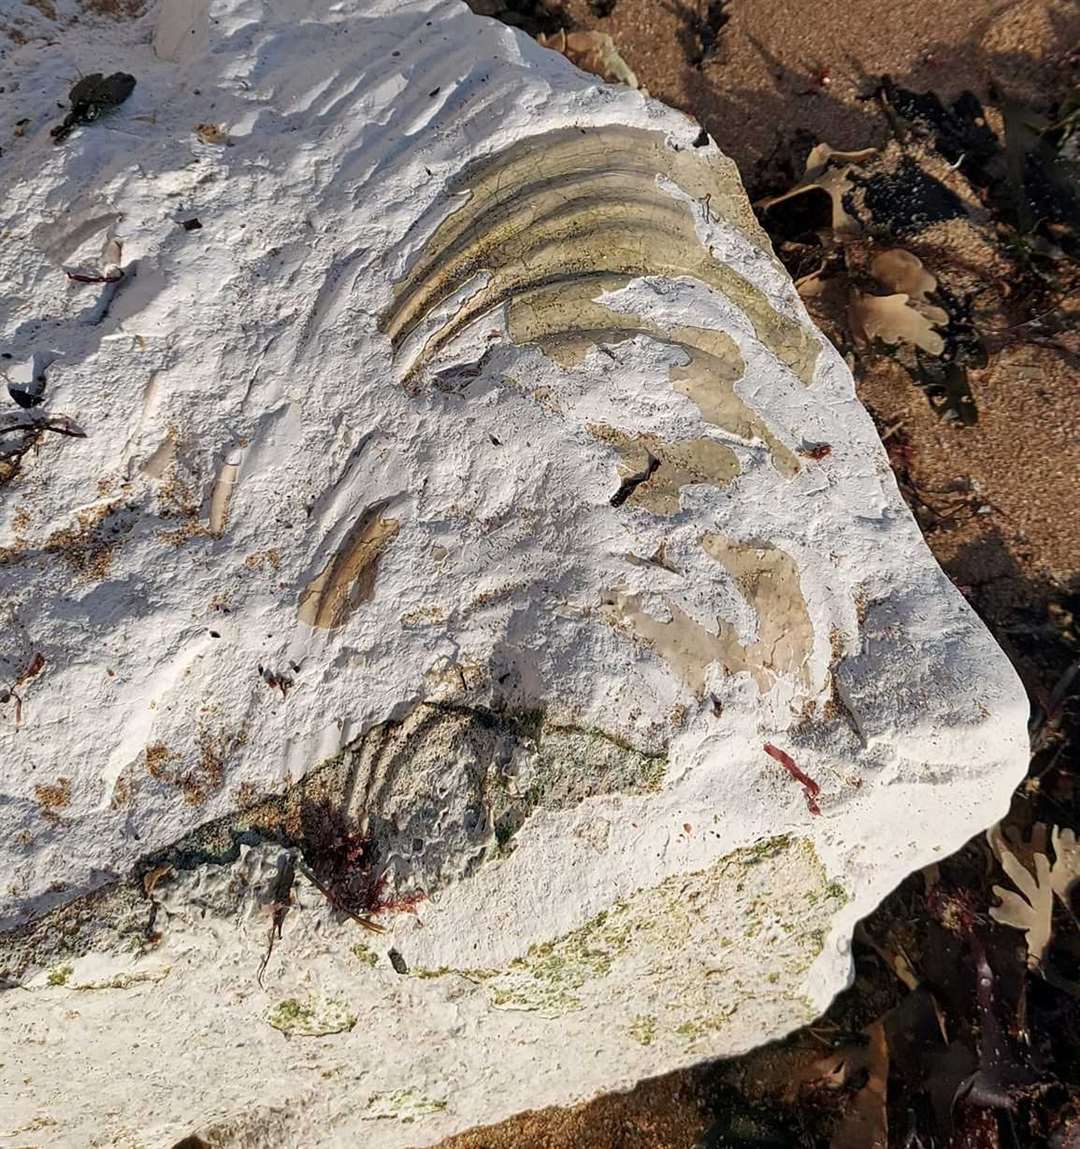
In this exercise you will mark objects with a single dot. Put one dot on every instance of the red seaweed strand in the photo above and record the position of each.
(810, 788)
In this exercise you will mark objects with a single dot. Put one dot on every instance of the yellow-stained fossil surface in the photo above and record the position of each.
(782, 644)
(582, 205)
(654, 471)
(568, 320)
(348, 578)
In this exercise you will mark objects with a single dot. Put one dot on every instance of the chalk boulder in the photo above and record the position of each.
(463, 647)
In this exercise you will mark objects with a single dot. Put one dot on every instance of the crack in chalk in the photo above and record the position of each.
(631, 483)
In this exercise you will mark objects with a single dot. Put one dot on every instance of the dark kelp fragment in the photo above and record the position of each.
(91, 98)
(908, 200)
(1024, 177)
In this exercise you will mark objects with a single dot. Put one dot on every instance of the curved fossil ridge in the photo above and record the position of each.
(447, 785)
(768, 578)
(572, 206)
(348, 578)
(565, 321)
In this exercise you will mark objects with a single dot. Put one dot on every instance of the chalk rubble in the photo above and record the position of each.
(466, 502)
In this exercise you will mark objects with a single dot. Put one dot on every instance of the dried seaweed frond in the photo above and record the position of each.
(1032, 908)
(827, 171)
(894, 319)
(593, 52)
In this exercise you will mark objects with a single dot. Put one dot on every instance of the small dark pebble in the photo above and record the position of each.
(192, 224)
(28, 394)
(397, 961)
(434, 92)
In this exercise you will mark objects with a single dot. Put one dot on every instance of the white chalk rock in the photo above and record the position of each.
(183, 29)
(471, 540)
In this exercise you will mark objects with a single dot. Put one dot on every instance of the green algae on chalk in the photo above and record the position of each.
(643, 1029)
(314, 1017)
(682, 939)
(403, 1105)
(60, 974)
(697, 1027)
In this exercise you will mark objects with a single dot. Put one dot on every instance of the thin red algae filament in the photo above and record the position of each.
(810, 788)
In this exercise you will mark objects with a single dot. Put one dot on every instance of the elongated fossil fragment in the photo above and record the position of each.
(223, 491)
(348, 578)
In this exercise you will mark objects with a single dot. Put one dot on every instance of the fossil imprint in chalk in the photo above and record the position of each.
(543, 231)
(477, 651)
(551, 224)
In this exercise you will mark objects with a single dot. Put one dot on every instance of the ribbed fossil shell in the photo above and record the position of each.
(555, 220)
